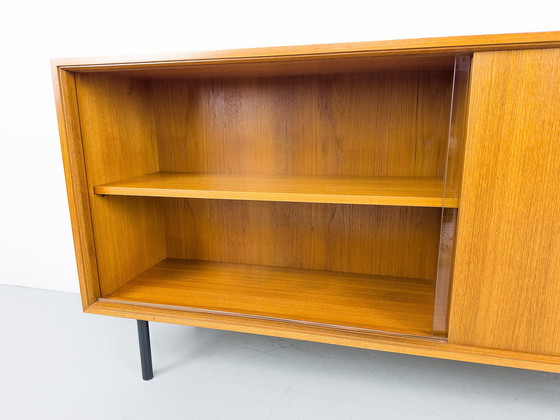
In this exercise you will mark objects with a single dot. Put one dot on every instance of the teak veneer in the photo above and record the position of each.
(400, 196)
(388, 191)
(312, 297)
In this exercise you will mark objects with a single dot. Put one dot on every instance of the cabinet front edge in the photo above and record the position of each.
(417, 347)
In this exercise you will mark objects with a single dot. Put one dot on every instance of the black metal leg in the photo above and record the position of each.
(145, 350)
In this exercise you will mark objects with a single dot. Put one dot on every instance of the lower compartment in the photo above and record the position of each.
(347, 300)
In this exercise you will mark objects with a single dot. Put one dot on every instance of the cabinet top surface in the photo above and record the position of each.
(444, 45)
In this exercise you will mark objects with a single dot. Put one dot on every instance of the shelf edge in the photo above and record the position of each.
(450, 202)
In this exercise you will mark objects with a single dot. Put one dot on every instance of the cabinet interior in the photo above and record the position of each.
(304, 192)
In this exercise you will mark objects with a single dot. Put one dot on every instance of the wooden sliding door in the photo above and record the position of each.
(506, 290)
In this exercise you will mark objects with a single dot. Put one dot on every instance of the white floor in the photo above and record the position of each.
(58, 363)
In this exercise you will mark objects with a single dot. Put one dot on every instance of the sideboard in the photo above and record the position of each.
(400, 196)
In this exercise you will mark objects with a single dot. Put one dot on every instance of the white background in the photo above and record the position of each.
(35, 239)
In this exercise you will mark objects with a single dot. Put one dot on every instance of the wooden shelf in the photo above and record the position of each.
(388, 191)
(380, 303)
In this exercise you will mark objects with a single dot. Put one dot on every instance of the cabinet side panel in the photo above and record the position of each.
(118, 133)
(506, 290)
(76, 184)
(385, 240)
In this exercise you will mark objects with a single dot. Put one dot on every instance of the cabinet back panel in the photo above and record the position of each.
(395, 241)
(387, 123)
(119, 142)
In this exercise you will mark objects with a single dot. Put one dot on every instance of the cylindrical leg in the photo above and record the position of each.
(145, 350)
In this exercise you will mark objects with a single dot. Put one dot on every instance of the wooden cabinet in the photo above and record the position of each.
(400, 196)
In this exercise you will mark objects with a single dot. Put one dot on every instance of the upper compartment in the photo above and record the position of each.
(361, 131)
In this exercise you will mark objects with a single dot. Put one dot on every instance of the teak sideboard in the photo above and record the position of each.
(401, 196)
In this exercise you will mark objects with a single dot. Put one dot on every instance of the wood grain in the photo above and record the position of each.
(389, 241)
(388, 304)
(388, 191)
(371, 124)
(506, 291)
(76, 184)
(119, 142)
